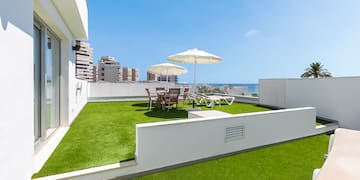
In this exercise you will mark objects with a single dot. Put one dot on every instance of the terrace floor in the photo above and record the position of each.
(104, 133)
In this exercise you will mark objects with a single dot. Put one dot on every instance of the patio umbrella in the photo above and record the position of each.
(167, 69)
(195, 56)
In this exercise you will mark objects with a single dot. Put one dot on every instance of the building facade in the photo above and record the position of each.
(151, 77)
(130, 74)
(134, 74)
(126, 74)
(44, 96)
(84, 62)
(108, 69)
(95, 74)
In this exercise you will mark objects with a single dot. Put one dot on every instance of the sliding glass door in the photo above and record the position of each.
(46, 82)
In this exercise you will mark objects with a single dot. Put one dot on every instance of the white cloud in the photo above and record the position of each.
(251, 33)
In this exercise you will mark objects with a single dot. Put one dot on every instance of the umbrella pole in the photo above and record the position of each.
(194, 85)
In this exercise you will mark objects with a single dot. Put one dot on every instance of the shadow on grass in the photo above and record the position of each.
(173, 113)
(141, 110)
(140, 105)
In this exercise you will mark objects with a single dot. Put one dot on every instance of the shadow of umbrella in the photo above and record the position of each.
(140, 105)
(167, 114)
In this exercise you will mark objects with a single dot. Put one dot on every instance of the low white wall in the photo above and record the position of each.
(334, 98)
(168, 143)
(124, 89)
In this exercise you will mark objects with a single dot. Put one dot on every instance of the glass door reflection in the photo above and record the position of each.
(52, 84)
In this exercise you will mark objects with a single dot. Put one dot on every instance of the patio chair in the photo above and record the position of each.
(161, 98)
(172, 98)
(151, 99)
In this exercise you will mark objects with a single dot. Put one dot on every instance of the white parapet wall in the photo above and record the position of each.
(169, 143)
(334, 98)
(121, 90)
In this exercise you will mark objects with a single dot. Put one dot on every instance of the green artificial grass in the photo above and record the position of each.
(104, 133)
(294, 160)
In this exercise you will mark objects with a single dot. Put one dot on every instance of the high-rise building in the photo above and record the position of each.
(108, 69)
(130, 74)
(84, 62)
(172, 78)
(126, 74)
(134, 74)
(151, 77)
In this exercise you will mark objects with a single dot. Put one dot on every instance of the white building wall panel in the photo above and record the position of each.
(16, 92)
(334, 98)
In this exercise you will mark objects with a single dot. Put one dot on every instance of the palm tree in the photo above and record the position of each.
(316, 70)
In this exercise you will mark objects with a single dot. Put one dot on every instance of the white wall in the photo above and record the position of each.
(167, 143)
(271, 92)
(16, 92)
(79, 99)
(334, 98)
(124, 89)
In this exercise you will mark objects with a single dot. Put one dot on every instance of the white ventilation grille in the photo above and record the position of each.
(234, 133)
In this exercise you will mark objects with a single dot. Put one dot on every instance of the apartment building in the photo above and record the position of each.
(135, 74)
(108, 69)
(84, 61)
(126, 74)
(44, 96)
(151, 77)
(130, 74)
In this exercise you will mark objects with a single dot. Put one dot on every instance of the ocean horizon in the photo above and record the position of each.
(251, 87)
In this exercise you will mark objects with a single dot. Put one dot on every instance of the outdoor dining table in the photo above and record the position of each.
(162, 96)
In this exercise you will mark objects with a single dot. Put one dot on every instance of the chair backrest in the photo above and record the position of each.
(148, 93)
(160, 88)
(186, 93)
(174, 94)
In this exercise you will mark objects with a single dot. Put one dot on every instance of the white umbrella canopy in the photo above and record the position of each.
(167, 69)
(195, 56)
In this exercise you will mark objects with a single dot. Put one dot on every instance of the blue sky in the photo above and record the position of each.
(256, 39)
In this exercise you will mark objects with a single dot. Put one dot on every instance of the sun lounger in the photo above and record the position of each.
(343, 160)
(212, 100)
(228, 99)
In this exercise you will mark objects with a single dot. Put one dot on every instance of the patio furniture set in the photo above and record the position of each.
(167, 98)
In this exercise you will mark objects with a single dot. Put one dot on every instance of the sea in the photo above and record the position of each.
(252, 88)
